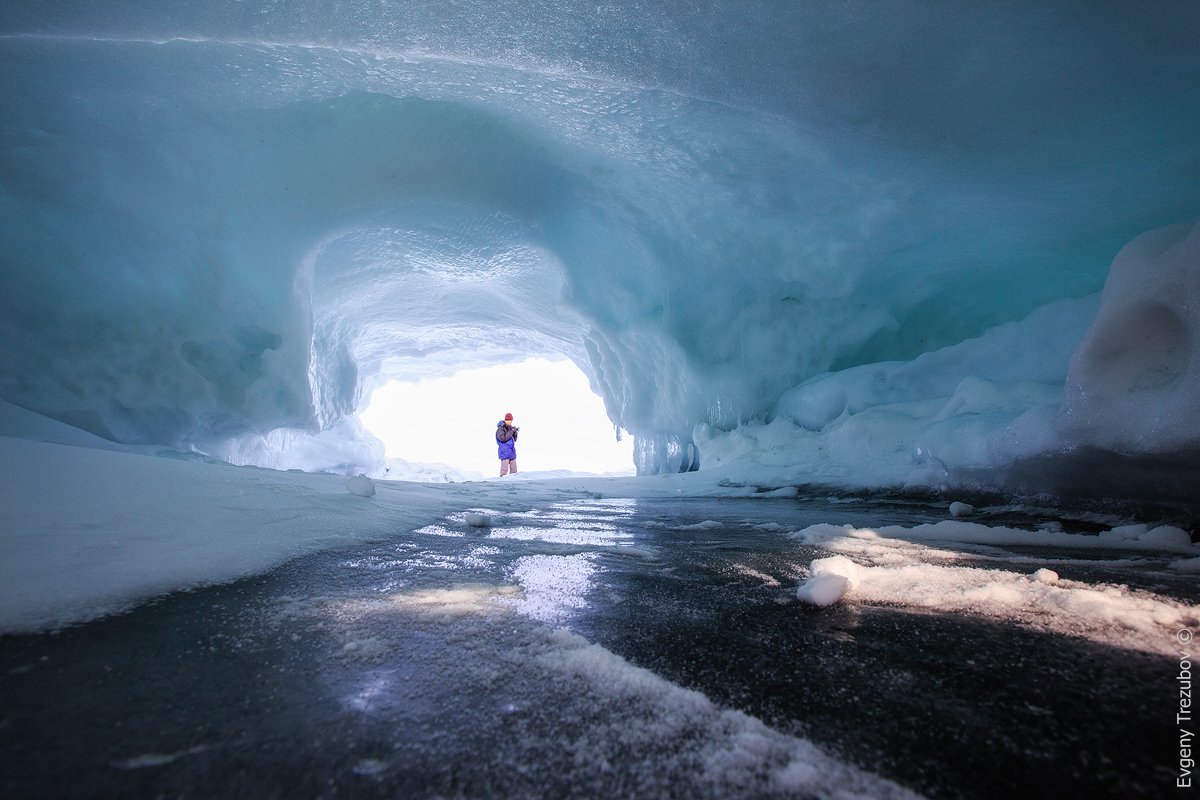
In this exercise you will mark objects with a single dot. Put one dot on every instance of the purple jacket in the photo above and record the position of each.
(506, 437)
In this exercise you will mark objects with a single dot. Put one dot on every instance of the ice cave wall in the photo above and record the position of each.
(223, 220)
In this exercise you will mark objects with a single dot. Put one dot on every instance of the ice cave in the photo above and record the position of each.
(849, 261)
(760, 245)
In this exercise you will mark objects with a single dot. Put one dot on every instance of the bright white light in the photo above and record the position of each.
(453, 420)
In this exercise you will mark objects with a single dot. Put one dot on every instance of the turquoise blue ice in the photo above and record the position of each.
(756, 226)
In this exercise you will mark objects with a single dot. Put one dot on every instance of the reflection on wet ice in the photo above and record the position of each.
(376, 686)
(554, 586)
(605, 536)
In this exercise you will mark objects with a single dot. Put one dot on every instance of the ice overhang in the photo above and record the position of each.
(221, 234)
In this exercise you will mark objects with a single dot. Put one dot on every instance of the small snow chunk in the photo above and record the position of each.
(369, 767)
(361, 486)
(958, 509)
(1186, 565)
(823, 590)
(1045, 576)
(837, 565)
(831, 578)
(476, 520)
(1052, 527)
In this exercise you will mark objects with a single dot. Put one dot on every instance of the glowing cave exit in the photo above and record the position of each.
(451, 420)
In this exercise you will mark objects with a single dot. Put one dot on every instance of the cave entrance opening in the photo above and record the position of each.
(452, 420)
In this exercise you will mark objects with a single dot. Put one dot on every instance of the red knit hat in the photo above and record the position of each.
(507, 417)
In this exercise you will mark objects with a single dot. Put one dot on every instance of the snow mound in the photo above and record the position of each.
(1045, 576)
(361, 486)
(961, 509)
(1134, 382)
(831, 579)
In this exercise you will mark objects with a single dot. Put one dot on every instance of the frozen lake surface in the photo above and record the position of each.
(593, 648)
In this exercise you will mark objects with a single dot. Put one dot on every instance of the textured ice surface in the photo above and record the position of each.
(220, 227)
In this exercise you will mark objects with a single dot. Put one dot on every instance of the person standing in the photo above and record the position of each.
(506, 438)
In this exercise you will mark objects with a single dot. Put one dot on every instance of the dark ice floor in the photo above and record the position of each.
(414, 667)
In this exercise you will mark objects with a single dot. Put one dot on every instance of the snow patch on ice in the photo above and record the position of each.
(554, 587)
(1161, 538)
(893, 568)
(732, 752)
